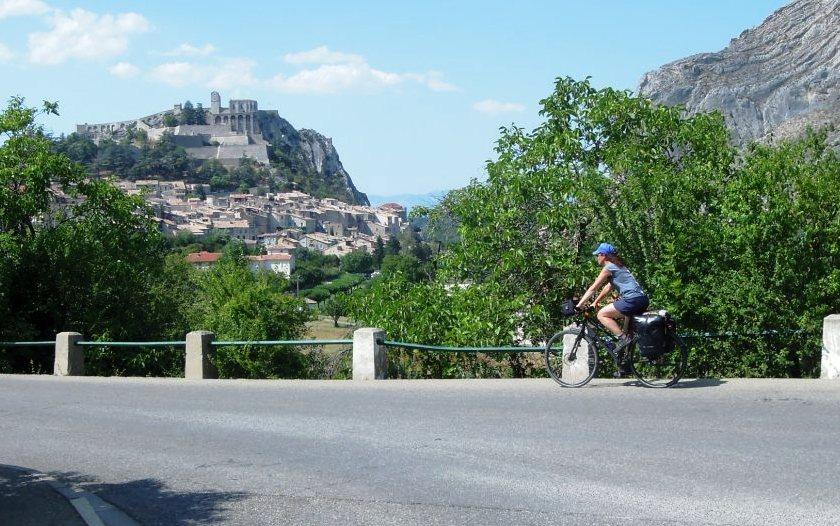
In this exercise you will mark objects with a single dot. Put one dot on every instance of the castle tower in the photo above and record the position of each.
(215, 103)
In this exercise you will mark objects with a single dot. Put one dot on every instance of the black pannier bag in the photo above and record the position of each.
(653, 333)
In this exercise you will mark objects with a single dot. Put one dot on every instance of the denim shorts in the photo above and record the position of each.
(631, 306)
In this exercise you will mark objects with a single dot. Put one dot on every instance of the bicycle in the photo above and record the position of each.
(571, 355)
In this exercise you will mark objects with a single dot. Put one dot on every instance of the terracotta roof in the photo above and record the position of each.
(203, 257)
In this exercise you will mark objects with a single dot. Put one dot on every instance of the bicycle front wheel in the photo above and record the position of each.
(571, 358)
(663, 371)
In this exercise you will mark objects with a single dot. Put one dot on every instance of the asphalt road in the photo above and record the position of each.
(434, 452)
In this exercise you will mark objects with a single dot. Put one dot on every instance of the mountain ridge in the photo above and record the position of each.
(771, 82)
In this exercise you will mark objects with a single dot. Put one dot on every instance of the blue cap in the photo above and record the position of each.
(606, 249)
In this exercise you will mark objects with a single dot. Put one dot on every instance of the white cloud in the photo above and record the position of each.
(5, 53)
(335, 72)
(84, 35)
(227, 74)
(494, 106)
(124, 70)
(9, 8)
(188, 50)
(231, 74)
(334, 78)
(175, 73)
(322, 55)
(433, 80)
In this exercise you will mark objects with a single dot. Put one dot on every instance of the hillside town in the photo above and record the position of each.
(277, 222)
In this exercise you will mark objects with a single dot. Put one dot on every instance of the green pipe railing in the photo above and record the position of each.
(131, 344)
(387, 343)
(730, 334)
(230, 343)
(440, 348)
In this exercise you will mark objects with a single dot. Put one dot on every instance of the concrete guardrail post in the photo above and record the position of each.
(197, 364)
(370, 361)
(579, 370)
(830, 365)
(69, 357)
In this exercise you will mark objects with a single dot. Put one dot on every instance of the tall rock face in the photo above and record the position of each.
(771, 82)
(308, 159)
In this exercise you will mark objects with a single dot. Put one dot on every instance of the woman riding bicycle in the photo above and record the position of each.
(632, 299)
(654, 354)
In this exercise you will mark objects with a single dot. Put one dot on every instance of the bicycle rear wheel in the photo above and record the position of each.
(571, 358)
(664, 371)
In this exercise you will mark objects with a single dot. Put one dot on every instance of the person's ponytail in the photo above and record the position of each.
(615, 259)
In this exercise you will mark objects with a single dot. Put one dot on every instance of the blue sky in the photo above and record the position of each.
(412, 94)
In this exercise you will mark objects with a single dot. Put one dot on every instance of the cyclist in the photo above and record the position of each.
(615, 276)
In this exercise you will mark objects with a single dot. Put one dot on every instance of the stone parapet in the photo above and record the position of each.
(197, 365)
(69, 356)
(830, 365)
(370, 361)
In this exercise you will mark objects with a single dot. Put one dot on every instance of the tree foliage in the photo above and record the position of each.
(727, 241)
(78, 254)
(237, 304)
(358, 262)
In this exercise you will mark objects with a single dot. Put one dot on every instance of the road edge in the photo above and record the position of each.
(91, 509)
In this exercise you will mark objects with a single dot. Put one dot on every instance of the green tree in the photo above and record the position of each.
(170, 120)
(78, 254)
(378, 252)
(432, 313)
(317, 294)
(77, 148)
(335, 307)
(725, 240)
(116, 158)
(237, 304)
(187, 114)
(392, 246)
(358, 262)
(199, 116)
(165, 160)
(409, 267)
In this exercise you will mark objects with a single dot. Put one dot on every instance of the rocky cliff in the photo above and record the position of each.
(308, 159)
(772, 81)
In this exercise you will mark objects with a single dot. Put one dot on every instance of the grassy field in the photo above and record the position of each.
(322, 329)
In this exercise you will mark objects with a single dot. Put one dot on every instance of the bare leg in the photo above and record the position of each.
(608, 316)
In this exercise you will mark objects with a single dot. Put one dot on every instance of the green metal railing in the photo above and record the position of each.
(387, 343)
(131, 344)
(730, 334)
(290, 343)
(182, 343)
(439, 348)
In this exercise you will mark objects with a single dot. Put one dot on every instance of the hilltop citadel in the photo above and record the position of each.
(229, 134)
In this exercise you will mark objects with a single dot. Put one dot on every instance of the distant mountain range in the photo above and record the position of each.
(771, 81)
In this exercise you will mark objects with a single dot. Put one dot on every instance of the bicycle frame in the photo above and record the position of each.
(598, 334)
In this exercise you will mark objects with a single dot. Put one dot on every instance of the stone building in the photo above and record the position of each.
(240, 115)
(229, 133)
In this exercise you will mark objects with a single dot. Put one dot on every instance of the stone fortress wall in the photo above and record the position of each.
(230, 133)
